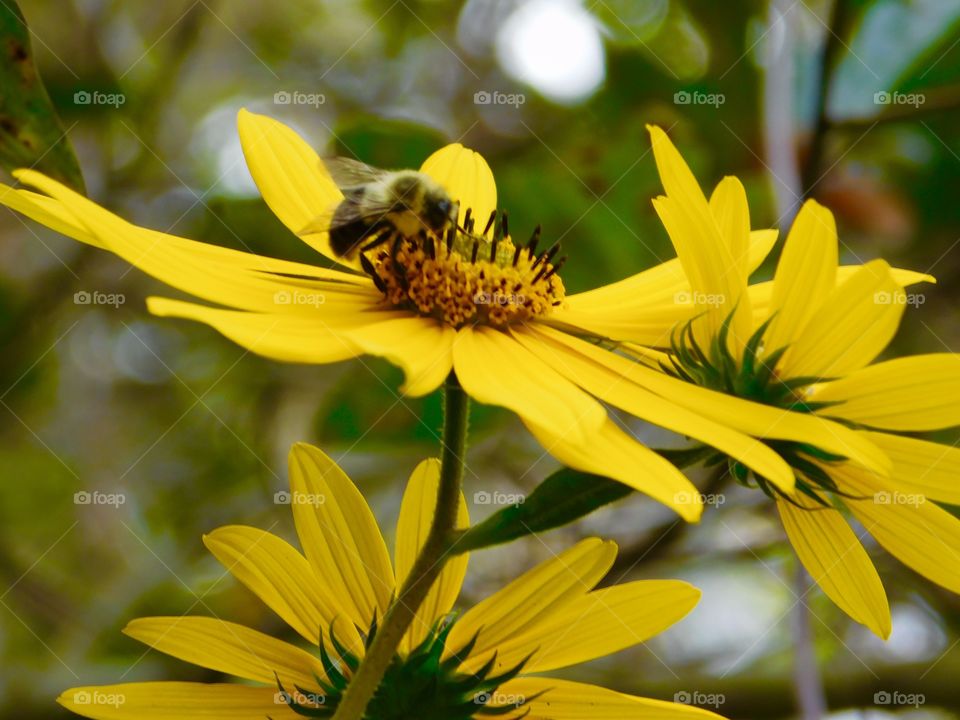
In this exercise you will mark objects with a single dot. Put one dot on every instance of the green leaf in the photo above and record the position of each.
(562, 498)
(565, 496)
(631, 22)
(31, 134)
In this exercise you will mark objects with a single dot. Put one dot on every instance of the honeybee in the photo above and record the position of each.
(380, 205)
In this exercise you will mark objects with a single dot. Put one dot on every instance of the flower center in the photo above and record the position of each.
(755, 378)
(467, 277)
(421, 684)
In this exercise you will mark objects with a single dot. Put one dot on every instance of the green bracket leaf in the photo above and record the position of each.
(565, 496)
(31, 134)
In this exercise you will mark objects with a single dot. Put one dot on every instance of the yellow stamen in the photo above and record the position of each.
(463, 284)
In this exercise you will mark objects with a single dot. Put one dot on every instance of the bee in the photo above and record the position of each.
(380, 205)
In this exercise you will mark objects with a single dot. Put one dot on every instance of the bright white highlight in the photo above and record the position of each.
(554, 46)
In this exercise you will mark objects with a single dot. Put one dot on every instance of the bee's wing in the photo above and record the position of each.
(351, 173)
(345, 212)
(321, 223)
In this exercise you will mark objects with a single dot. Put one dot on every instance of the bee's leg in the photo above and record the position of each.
(400, 271)
(426, 242)
(378, 234)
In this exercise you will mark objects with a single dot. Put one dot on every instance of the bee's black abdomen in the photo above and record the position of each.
(346, 236)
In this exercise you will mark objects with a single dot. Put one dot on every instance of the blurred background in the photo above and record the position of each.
(855, 104)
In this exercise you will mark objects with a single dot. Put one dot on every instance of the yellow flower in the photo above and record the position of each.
(495, 313)
(448, 666)
(806, 343)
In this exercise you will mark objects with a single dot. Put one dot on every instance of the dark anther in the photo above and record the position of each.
(555, 268)
(493, 249)
(467, 219)
(544, 261)
(516, 254)
(451, 236)
(431, 248)
(534, 239)
(476, 248)
(504, 228)
(493, 216)
(547, 256)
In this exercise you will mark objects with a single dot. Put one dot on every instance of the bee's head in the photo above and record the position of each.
(438, 210)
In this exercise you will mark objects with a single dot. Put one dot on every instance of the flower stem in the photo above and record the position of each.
(807, 680)
(433, 556)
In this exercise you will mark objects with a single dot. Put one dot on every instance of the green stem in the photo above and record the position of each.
(433, 556)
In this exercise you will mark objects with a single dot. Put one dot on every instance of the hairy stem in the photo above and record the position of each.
(429, 562)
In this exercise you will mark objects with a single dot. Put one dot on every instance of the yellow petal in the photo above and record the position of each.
(466, 177)
(646, 307)
(553, 699)
(921, 392)
(919, 533)
(837, 562)
(761, 293)
(283, 580)
(228, 648)
(652, 325)
(497, 370)
(659, 283)
(613, 453)
(599, 623)
(227, 277)
(732, 216)
(291, 177)
(413, 527)
(422, 347)
(47, 211)
(728, 204)
(605, 381)
(288, 338)
(339, 535)
(547, 587)
(806, 273)
(704, 260)
(176, 701)
(919, 466)
(855, 322)
(761, 421)
(715, 276)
